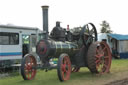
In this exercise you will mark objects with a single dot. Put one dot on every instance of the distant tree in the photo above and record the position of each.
(105, 27)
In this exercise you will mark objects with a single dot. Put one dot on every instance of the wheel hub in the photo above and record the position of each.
(29, 67)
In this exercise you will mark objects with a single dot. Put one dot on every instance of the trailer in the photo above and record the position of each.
(15, 42)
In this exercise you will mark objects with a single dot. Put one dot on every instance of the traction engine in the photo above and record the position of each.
(73, 49)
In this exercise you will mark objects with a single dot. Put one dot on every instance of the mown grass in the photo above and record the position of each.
(84, 77)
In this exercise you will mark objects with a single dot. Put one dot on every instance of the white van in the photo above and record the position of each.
(15, 42)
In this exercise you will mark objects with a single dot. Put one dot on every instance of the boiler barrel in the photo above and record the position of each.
(50, 48)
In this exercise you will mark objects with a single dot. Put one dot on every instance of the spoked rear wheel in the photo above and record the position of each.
(64, 67)
(28, 67)
(99, 58)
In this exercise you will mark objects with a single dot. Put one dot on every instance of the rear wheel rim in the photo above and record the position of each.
(103, 58)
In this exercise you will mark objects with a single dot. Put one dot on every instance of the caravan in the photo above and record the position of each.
(15, 42)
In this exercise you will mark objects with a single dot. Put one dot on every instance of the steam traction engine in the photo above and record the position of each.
(74, 48)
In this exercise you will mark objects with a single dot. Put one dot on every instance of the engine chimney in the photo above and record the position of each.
(45, 20)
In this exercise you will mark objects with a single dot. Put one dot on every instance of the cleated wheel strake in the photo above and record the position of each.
(64, 67)
(99, 58)
(28, 67)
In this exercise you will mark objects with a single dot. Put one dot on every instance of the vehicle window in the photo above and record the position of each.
(25, 39)
(7, 38)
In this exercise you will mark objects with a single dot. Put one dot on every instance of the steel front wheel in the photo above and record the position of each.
(99, 58)
(64, 67)
(28, 67)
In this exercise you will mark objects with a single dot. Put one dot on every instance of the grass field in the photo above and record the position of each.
(119, 70)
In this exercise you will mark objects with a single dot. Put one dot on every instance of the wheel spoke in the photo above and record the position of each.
(97, 61)
(32, 72)
(63, 73)
(105, 65)
(27, 63)
(28, 75)
(63, 67)
(97, 65)
(104, 48)
(31, 62)
(91, 31)
(66, 71)
(98, 56)
(25, 68)
(87, 28)
(106, 57)
(26, 72)
(101, 69)
(97, 51)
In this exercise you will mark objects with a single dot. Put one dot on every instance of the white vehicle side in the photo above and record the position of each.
(12, 44)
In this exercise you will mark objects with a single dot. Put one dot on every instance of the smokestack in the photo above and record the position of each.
(45, 20)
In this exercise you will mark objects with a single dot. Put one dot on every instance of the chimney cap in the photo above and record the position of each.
(45, 6)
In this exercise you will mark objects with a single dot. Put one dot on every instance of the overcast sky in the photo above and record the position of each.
(72, 12)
